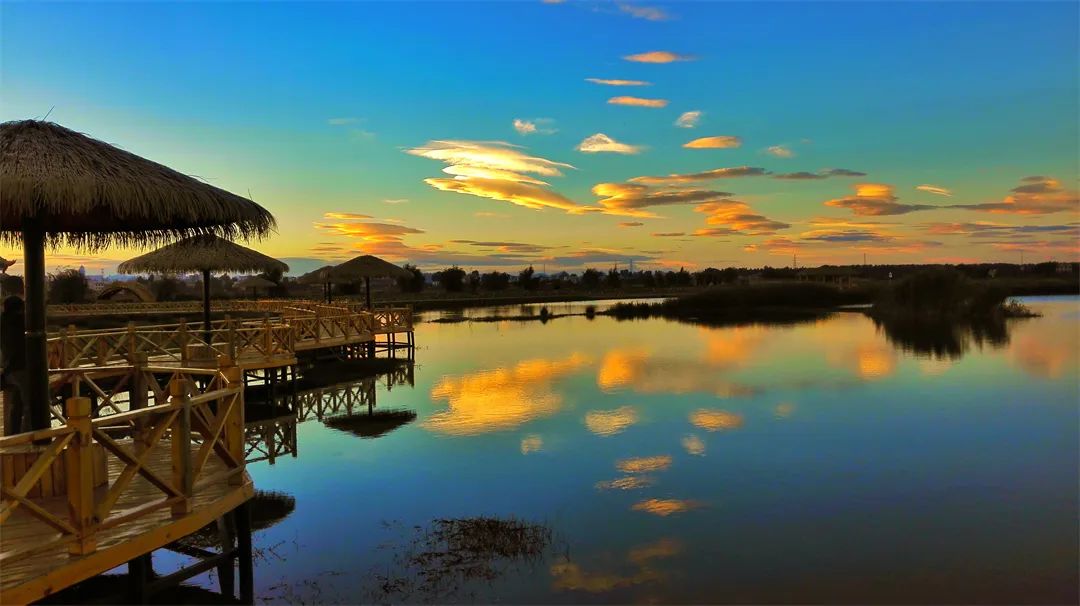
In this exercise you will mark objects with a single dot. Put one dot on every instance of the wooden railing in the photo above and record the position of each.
(193, 414)
(298, 328)
(172, 307)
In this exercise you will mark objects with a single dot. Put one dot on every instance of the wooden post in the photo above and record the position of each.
(137, 398)
(233, 431)
(180, 392)
(226, 537)
(79, 468)
(139, 569)
(132, 343)
(183, 338)
(231, 349)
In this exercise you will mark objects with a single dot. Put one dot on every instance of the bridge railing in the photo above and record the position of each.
(196, 421)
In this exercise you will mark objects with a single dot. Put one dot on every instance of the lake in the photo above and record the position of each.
(829, 461)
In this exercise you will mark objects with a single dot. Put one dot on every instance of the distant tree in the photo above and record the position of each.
(683, 278)
(495, 280)
(68, 286)
(708, 277)
(474, 281)
(647, 279)
(591, 279)
(415, 282)
(613, 279)
(452, 279)
(526, 280)
(274, 276)
(10, 285)
(165, 288)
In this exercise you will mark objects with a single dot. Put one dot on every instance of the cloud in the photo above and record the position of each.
(716, 173)
(1035, 195)
(981, 229)
(488, 215)
(395, 201)
(341, 121)
(630, 198)
(875, 199)
(631, 224)
(521, 194)
(689, 119)
(780, 151)
(658, 57)
(347, 216)
(718, 142)
(637, 102)
(822, 174)
(934, 189)
(506, 247)
(607, 82)
(845, 236)
(497, 171)
(669, 234)
(731, 217)
(371, 231)
(643, 12)
(533, 126)
(602, 143)
(593, 256)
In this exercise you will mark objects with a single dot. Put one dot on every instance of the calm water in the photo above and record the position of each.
(820, 462)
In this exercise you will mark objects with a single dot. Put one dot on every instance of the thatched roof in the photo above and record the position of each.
(318, 276)
(366, 266)
(5, 264)
(198, 253)
(372, 425)
(90, 194)
(255, 282)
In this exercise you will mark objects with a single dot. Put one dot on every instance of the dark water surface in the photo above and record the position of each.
(831, 461)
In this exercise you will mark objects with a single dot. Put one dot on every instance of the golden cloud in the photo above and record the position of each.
(630, 198)
(600, 142)
(520, 194)
(717, 142)
(934, 189)
(780, 151)
(689, 119)
(658, 57)
(1036, 195)
(730, 217)
(873, 200)
(618, 82)
(637, 102)
(707, 175)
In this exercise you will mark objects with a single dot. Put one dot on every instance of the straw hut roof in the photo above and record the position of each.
(89, 194)
(5, 264)
(202, 253)
(318, 276)
(367, 266)
(255, 282)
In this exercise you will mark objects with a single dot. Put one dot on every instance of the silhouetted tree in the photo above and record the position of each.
(474, 281)
(165, 288)
(452, 279)
(495, 280)
(10, 285)
(591, 278)
(68, 286)
(526, 280)
(613, 280)
(415, 282)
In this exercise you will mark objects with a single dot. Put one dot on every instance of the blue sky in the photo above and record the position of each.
(312, 108)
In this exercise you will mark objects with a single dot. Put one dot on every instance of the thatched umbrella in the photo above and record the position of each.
(319, 276)
(5, 264)
(63, 188)
(203, 253)
(255, 283)
(367, 267)
(374, 424)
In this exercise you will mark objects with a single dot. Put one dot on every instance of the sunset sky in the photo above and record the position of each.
(575, 134)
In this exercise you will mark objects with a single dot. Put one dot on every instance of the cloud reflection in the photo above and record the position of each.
(716, 420)
(665, 507)
(610, 422)
(644, 464)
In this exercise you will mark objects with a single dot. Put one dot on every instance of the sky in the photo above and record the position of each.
(565, 135)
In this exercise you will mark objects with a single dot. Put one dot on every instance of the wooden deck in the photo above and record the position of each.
(173, 458)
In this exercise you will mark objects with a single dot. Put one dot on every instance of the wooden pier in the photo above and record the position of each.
(106, 487)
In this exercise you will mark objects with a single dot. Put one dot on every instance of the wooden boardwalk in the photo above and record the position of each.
(286, 329)
(107, 486)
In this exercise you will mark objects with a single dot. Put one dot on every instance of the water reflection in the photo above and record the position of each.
(532, 443)
(570, 576)
(501, 398)
(693, 445)
(610, 422)
(640, 370)
(373, 424)
(943, 338)
(644, 464)
(716, 420)
(626, 483)
(665, 507)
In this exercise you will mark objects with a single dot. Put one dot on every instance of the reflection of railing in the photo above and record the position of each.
(268, 340)
(335, 400)
(267, 440)
(175, 436)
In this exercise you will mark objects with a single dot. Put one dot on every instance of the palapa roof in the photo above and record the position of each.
(199, 253)
(366, 266)
(90, 194)
(255, 282)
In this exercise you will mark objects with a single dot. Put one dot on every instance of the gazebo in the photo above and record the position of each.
(63, 188)
(255, 283)
(366, 267)
(203, 253)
